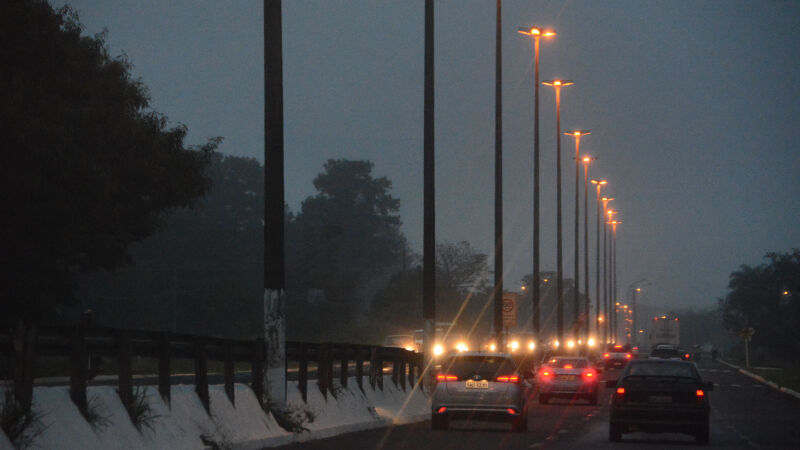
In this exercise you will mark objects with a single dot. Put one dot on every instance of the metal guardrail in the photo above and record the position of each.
(84, 344)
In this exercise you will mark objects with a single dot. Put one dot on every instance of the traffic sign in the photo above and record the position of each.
(509, 309)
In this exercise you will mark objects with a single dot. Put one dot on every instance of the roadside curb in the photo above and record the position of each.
(762, 380)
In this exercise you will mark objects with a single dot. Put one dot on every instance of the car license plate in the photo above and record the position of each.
(567, 378)
(659, 399)
(481, 384)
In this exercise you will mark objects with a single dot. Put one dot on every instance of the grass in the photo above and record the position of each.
(787, 377)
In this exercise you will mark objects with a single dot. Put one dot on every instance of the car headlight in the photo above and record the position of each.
(531, 345)
(462, 347)
(514, 345)
(492, 347)
(438, 350)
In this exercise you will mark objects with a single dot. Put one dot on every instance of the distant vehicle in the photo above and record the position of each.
(617, 357)
(567, 376)
(660, 395)
(405, 341)
(446, 341)
(665, 330)
(482, 386)
(667, 352)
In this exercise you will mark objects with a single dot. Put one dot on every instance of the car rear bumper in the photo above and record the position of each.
(567, 388)
(649, 417)
(493, 413)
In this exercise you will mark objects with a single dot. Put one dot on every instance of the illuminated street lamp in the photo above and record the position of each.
(577, 134)
(599, 184)
(614, 224)
(586, 161)
(557, 85)
(536, 33)
(606, 299)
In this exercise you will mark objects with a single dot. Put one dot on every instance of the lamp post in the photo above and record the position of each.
(606, 309)
(614, 224)
(586, 161)
(612, 316)
(599, 184)
(557, 85)
(536, 33)
(577, 134)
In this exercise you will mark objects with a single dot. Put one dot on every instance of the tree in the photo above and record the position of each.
(765, 297)
(342, 247)
(88, 168)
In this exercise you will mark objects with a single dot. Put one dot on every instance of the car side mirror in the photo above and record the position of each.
(709, 385)
(611, 383)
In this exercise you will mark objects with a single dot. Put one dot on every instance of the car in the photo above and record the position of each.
(617, 356)
(404, 341)
(567, 376)
(667, 352)
(658, 395)
(480, 385)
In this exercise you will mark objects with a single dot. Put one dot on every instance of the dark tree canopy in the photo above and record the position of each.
(87, 167)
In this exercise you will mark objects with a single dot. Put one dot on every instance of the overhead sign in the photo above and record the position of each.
(509, 309)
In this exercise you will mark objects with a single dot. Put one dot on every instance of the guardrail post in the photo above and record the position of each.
(396, 369)
(403, 375)
(201, 373)
(229, 372)
(125, 377)
(359, 368)
(379, 369)
(344, 369)
(411, 366)
(77, 366)
(164, 355)
(373, 367)
(323, 368)
(257, 370)
(302, 371)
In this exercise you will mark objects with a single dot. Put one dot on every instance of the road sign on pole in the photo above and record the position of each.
(509, 309)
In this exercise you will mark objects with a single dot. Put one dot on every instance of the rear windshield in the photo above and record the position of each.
(576, 363)
(488, 367)
(676, 369)
(660, 352)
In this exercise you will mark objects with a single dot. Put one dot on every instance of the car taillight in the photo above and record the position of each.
(546, 374)
(605, 355)
(445, 377)
(700, 393)
(628, 356)
(442, 409)
(620, 392)
(686, 356)
(589, 375)
(511, 411)
(508, 379)
(568, 366)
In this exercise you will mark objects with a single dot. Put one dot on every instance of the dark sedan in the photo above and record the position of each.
(658, 395)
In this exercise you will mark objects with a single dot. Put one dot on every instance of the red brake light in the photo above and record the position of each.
(545, 374)
(508, 379)
(605, 355)
(588, 374)
(686, 356)
(699, 393)
(511, 411)
(568, 366)
(628, 355)
(445, 377)
(620, 391)
(442, 409)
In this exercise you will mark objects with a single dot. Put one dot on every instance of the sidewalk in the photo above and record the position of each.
(762, 380)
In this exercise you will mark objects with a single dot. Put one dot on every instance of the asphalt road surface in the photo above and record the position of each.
(745, 414)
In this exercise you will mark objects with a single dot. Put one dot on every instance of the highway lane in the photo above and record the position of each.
(745, 414)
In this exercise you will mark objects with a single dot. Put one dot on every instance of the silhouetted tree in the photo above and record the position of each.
(88, 168)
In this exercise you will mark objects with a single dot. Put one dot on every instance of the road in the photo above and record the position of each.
(745, 414)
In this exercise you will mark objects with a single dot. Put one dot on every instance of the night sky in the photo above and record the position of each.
(694, 108)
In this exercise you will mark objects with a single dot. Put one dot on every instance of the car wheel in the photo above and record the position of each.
(438, 422)
(593, 399)
(520, 424)
(614, 432)
(702, 434)
(543, 399)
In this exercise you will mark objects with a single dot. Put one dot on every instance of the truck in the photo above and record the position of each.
(664, 330)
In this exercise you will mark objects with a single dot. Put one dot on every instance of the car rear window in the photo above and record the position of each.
(577, 363)
(488, 367)
(676, 369)
(665, 352)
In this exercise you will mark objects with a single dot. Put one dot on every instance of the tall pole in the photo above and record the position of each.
(614, 277)
(274, 254)
(429, 220)
(536, 296)
(607, 327)
(577, 134)
(586, 244)
(498, 182)
(599, 184)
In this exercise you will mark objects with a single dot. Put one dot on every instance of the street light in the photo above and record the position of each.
(536, 33)
(614, 224)
(599, 184)
(586, 161)
(606, 299)
(557, 85)
(577, 134)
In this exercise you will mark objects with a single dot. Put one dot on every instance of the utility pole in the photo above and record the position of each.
(429, 219)
(274, 253)
(498, 182)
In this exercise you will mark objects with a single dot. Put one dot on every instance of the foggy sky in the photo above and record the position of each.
(693, 108)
